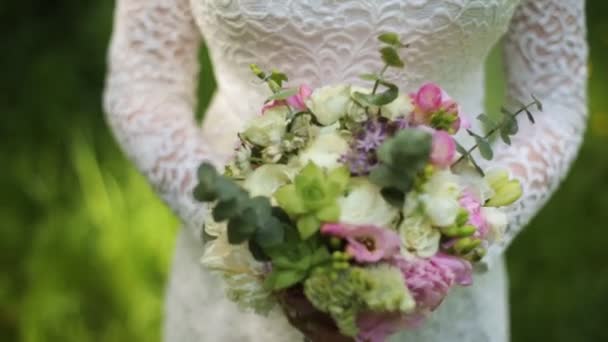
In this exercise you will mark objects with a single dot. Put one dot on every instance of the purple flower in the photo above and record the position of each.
(366, 243)
(429, 280)
(372, 136)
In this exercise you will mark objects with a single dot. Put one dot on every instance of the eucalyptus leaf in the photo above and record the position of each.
(390, 56)
(390, 38)
(257, 252)
(393, 196)
(505, 137)
(487, 121)
(510, 126)
(377, 100)
(485, 149)
(530, 116)
(271, 233)
(476, 166)
(539, 105)
(369, 77)
(225, 210)
(240, 230)
(463, 151)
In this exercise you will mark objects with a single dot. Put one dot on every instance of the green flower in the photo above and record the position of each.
(313, 197)
(345, 293)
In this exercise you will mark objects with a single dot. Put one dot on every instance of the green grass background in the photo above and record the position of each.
(85, 245)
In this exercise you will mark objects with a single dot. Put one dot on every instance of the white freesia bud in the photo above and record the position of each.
(329, 103)
(325, 151)
(266, 179)
(364, 205)
(400, 107)
(269, 128)
(418, 237)
(497, 221)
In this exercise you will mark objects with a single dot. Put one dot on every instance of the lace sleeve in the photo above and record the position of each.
(546, 55)
(150, 96)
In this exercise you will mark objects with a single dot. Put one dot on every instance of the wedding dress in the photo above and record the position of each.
(150, 99)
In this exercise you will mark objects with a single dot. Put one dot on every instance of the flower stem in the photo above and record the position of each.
(377, 84)
(494, 130)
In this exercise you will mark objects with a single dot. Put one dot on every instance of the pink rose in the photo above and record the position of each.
(429, 97)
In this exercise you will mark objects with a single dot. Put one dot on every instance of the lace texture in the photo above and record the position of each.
(150, 99)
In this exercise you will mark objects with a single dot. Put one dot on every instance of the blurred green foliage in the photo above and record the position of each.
(85, 245)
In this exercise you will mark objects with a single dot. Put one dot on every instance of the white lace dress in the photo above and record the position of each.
(150, 100)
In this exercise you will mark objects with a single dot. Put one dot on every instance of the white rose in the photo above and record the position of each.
(266, 179)
(268, 129)
(473, 182)
(330, 103)
(442, 183)
(418, 237)
(441, 210)
(325, 151)
(364, 205)
(400, 107)
(497, 220)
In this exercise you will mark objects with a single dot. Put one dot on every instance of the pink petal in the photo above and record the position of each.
(443, 149)
(429, 97)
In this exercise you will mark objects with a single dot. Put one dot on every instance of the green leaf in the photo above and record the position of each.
(463, 151)
(484, 148)
(393, 196)
(226, 210)
(330, 213)
(390, 38)
(257, 71)
(282, 279)
(530, 116)
(369, 77)
(308, 225)
(539, 105)
(240, 230)
(505, 137)
(271, 233)
(377, 100)
(278, 77)
(282, 94)
(289, 200)
(487, 121)
(390, 56)
(257, 252)
(476, 166)
(338, 179)
(510, 125)
(204, 194)
(320, 256)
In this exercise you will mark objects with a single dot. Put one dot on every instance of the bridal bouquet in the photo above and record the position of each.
(355, 209)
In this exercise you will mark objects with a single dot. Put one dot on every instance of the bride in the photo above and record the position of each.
(150, 98)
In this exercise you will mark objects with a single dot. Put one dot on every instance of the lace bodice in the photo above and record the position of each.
(153, 72)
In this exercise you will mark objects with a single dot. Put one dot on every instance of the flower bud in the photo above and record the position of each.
(506, 194)
(466, 245)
